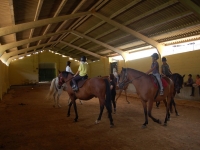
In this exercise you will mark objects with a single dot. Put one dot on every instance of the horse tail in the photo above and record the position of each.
(108, 96)
(51, 90)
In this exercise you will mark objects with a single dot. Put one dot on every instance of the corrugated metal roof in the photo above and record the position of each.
(159, 20)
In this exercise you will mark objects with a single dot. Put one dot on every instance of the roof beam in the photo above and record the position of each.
(62, 4)
(12, 18)
(123, 54)
(74, 11)
(192, 6)
(7, 55)
(38, 9)
(21, 27)
(128, 30)
(3, 48)
(97, 5)
(81, 49)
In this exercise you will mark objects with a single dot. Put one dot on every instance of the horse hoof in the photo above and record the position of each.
(159, 121)
(75, 120)
(68, 115)
(177, 115)
(97, 121)
(168, 119)
(165, 124)
(112, 125)
(144, 126)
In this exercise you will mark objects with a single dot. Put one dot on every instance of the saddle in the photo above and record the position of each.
(80, 82)
(155, 82)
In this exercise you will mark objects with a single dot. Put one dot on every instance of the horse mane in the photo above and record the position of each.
(135, 70)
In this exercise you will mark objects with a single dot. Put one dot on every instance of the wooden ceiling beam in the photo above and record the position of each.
(81, 49)
(123, 54)
(24, 26)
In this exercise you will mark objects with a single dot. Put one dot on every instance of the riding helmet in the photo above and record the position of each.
(68, 63)
(164, 59)
(83, 58)
(155, 55)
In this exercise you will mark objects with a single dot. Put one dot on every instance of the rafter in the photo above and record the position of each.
(3, 48)
(62, 4)
(21, 27)
(81, 49)
(7, 55)
(192, 6)
(37, 13)
(123, 54)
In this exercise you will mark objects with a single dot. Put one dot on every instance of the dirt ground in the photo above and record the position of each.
(28, 121)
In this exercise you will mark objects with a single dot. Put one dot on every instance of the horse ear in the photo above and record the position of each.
(183, 76)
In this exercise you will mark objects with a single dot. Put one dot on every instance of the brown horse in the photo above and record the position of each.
(147, 91)
(93, 87)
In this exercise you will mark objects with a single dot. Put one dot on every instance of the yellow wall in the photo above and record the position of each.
(183, 63)
(4, 79)
(26, 68)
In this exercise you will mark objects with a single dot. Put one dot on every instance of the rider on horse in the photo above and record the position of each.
(155, 70)
(81, 73)
(165, 70)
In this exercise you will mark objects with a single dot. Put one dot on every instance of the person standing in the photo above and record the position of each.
(190, 83)
(165, 70)
(155, 71)
(68, 68)
(116, 74)
(81, 73)
(113, 90)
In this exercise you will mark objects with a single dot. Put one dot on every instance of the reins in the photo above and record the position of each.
(127, 82)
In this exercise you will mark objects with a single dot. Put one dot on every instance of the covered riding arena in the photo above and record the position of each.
(38, 37)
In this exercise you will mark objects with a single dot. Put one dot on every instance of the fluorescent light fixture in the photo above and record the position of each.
(70, 58)
(28, 55)
(21, 57)
(64, 56)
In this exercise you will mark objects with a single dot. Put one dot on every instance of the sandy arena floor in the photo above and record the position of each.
(28, 121)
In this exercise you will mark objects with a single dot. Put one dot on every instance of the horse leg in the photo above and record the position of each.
(145, 113)
(58, 104)
(109, 109)
(165, 102)
(173, 102)
(75, 109)
(126, 97)
(68, 113)
(167, 112)
(100, 114)
(80, 101)
(157, 104)
(55, 100)
(120, 91)
(150, 105)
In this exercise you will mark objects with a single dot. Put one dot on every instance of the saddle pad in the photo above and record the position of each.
(155, 82)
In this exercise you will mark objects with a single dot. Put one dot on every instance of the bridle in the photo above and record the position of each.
(125, 80)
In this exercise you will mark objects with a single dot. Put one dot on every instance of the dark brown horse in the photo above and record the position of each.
(93, 87)
(147, 91)
(178, 84)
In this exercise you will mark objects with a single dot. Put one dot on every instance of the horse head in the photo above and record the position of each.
(64, 76)
(178, 81)
(123, 78)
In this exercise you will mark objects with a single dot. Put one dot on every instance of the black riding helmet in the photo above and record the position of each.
(155, 55)
(68, 63)
(164, 59)
(83, 58)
